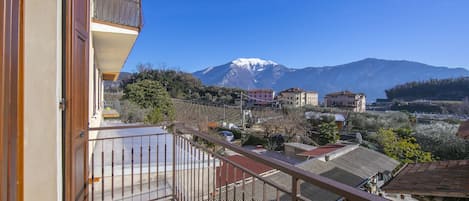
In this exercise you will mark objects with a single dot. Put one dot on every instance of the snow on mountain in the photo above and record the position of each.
(242, 72)
(252, 64)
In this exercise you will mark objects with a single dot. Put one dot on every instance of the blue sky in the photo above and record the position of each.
(194, 34)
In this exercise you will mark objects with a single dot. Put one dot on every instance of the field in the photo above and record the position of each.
(188, 111)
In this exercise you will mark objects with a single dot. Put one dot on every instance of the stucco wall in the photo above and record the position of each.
(42, 90)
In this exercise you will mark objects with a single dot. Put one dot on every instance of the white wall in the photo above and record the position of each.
(42, 92)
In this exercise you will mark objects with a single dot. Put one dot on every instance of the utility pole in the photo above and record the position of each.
(224, 113)
(241, 108)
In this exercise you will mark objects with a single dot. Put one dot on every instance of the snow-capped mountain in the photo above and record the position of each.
(244, 73)
(370, 76)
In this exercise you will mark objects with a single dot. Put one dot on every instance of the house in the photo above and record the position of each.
(296, 97)
(437, 180)
(261, 97)
(55, 56)
(346, 100)
(338, 118)
(463, 131)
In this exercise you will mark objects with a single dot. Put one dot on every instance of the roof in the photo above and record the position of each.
(261, 90)
(352, 168)
(361, 161)
(276, 155)
(302, 146)
(293, 90)
(228, 169)
(463, 131)
(441, 179)
(321, 150)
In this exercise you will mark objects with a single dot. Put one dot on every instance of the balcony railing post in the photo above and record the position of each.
(294, 188)
(174, 167)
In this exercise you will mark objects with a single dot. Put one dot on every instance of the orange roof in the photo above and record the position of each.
(441, 179)
(228, 171)
(321, 150)
(463, 131)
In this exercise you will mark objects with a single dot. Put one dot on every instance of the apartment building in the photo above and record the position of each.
(347, 100)
(296, 97)
(55, 56)
(261, 97)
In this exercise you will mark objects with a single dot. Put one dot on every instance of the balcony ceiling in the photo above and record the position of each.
(112, 45)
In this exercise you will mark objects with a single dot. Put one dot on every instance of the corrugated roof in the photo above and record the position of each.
(441, 179)
(361, 161)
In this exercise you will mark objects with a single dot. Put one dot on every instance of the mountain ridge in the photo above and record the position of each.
(371, 76)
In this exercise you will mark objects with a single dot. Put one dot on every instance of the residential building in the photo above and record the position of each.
(432, 181)
(296, 97)
(52, 72)
(261, 97)
(338, 118)
(347, 100)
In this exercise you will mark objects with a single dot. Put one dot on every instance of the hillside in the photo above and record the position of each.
(370, 76)
(180, 85)
(442, 89)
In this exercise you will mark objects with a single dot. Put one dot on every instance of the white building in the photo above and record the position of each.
(346, 100)
(296, 97)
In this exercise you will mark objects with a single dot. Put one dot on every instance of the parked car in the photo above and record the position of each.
(227, 135)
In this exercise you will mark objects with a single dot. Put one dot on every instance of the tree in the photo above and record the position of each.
(405, 149)
(441, 140)
(149, 94)
(328, 133)
(271, 130)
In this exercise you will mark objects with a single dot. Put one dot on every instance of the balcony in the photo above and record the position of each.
(119, 12)
(189, 165)
(115, 27)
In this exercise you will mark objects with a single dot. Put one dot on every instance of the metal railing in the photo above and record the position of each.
(188, 165)
(122, 12)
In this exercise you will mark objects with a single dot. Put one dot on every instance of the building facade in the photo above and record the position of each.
(261, 97)
(296, 97)
(63, 51)
(347, 100)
